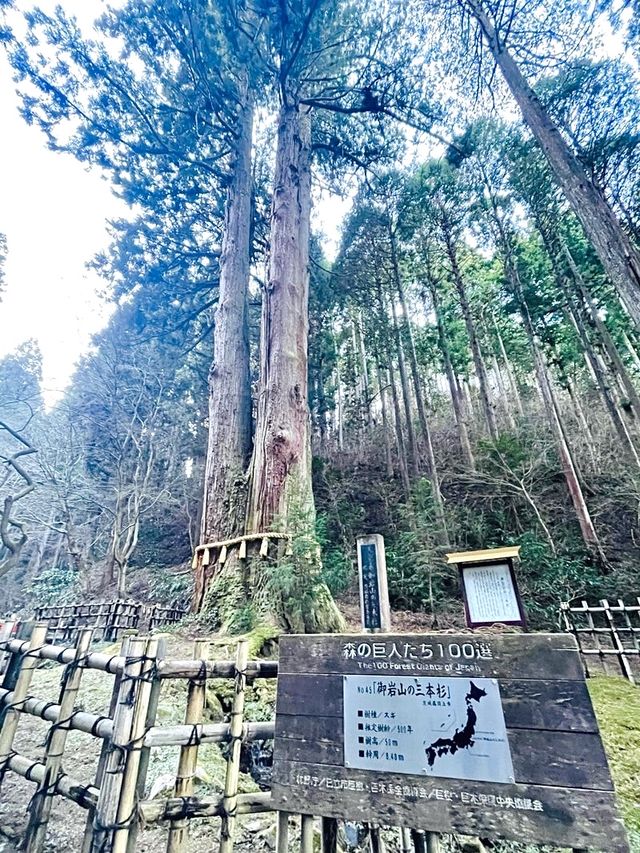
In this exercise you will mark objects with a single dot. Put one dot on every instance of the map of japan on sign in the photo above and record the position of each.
(444, 727)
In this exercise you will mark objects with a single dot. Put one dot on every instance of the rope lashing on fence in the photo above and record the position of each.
(33, 771)
(129, 732)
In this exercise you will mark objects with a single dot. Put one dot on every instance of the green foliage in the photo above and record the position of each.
(55, 585)
(338, 571)
(167, 587)
(418, 578)
(546, 579)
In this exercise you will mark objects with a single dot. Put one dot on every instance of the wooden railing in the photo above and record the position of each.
(108, 619)
(605, 631)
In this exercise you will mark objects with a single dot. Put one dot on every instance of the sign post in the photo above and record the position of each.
(372, 575)
(489, 587)
(491, 735)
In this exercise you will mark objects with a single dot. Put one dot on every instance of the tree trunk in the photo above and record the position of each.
(608, 343)
(432, 470)
(504, 393)
(382, 390)
(587, 529)
(280, 488)
(581, 420)
(618, 256)
(406, 396)
(360, 358)
(402, 455)
(229, 443)
(510, 374)
(478, 360)
(602, 384)
(456, 400)
(632, 351)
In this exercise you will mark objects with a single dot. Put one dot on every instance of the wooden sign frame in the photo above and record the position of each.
(470, 560)
(561, 794)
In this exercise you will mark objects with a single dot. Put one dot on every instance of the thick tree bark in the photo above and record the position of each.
(281, 464)
(478, 359)
(229, 443)
(617, 254)
(280, 488)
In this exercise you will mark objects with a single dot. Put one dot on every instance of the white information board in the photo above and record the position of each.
(490, 594)
(446, 727)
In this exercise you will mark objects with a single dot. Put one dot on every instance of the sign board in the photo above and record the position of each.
(489, 587)
(372, 574)
(490, 735)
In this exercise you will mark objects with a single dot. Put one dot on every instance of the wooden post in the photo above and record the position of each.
(11, 716)
(104, 755)
(306, 833)
(196, 698)
(54, 749)
(115, 811)
(419, 841)
(623, 660)
(5, 634)
(595, 637)
(145, 755)
(329, 828)
(377, 844)
(405, 840)
(282, 833)
(372, 574)
(433, 842)
(233, 762)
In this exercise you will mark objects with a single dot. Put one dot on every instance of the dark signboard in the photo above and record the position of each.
(371, 616)
(486, 734)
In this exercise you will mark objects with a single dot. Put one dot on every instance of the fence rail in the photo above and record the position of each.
(603, 631)
(108, 619)
(114, 801)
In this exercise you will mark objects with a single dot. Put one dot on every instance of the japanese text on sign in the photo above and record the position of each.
(446, 727)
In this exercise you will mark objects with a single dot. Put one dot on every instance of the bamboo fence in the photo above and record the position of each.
(115, 803)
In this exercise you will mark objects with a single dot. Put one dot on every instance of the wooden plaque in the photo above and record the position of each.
(484, 734)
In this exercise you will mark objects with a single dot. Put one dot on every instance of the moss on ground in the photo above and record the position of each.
(617, 706)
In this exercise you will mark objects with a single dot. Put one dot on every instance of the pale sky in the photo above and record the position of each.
(54, 213)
